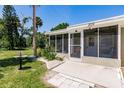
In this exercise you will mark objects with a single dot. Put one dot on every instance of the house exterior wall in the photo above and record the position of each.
(102, 61)
(96, 60)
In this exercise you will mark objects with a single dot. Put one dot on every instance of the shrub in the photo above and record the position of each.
(49, 55)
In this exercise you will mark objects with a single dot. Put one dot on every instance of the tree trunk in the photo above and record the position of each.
(34, 31)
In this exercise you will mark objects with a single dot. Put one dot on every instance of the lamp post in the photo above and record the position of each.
(20, 56)
(20, 60)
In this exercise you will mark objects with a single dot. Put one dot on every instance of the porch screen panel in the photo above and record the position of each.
(75, 45)
(65, 43)
(91, 42)
(75, 51)
(59, 43)
(108, 42)
(52, 42)
(75, 39)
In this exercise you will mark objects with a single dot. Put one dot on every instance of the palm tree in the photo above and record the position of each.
(37, 22)
(34, 31)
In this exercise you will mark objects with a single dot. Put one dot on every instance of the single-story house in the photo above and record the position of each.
(99, 42)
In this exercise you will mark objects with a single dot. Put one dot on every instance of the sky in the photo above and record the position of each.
(52, 15)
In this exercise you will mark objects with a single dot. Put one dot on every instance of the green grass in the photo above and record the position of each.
(11, 77)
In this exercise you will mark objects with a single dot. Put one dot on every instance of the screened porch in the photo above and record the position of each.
(59, 43)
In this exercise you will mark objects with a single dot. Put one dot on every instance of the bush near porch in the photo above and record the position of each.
(48, 54)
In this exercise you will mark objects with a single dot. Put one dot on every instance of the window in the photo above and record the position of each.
(108, 42)
(91, 42)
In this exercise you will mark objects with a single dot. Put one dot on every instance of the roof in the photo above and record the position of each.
(62, 31)
(115, 19)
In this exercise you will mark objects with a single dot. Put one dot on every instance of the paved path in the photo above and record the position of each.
(100, 75)
(50, 64)
(63, 81)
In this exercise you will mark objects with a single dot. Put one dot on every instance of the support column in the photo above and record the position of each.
(119, 42)
(82, 44)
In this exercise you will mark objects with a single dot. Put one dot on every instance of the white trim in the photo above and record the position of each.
(110, 19)
(82, 44)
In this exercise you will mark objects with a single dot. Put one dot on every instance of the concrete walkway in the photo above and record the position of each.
(99, 75)
(50, 64)
(63, 81)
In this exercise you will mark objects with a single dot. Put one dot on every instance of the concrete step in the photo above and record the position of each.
(64, 81)
(78, 80)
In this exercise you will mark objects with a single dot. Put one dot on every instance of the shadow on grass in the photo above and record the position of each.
(1, 75)
(25, 68)
(14, 61)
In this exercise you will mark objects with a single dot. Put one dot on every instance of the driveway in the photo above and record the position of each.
(99, 75)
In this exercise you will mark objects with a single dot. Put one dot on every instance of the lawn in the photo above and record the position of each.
(11, 77)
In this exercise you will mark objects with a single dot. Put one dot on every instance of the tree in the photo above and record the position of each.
(3, 41)
(11, 23)
(1, 27)
(34, 31)
(40, 40)
(60, 26)
(23, 31)
(39, 22)
(29, 41)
